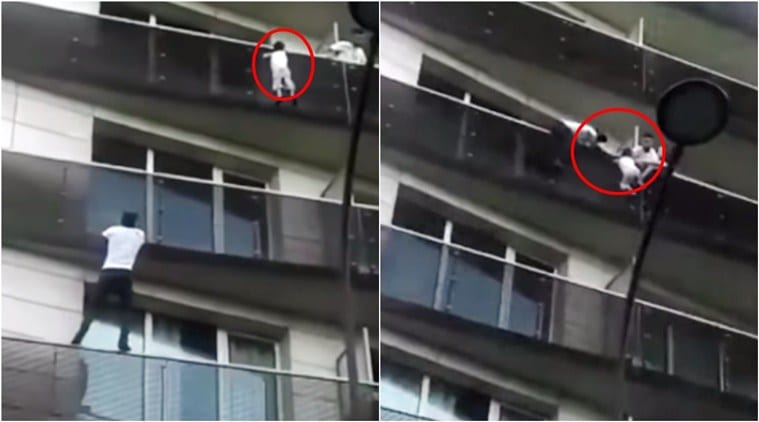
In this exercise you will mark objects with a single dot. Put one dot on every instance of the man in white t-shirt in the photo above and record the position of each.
(124, 243)
(280, 70)
(629, 170)
(646, 157)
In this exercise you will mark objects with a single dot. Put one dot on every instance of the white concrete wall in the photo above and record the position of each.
(303, 182)
(400, 55)
(39, 123)
(72, 6)
(42, 298)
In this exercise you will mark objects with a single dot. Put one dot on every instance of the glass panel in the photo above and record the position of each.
(117, 152)
(245, 228)
(414, 217)
(478, 239)
(530, 309)
(473, 288)
(409, 267)
(250, 395)
(104, 209)
(180, 205)
(653, 339)
(189, 391)
(696, 352)
(249, 351)
(740, 365)
(512, 413)
(448, 402)
(400, 387)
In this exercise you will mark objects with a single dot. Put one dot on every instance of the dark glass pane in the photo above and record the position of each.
(409, 267)
(653, 339)
(185, 214)
(104, 209)
(512, 413)
(740, 365)
(696, 352)
(245, 229)
(409, 215)
(477, 239)
(400, 388)
(449, 402)
(179, 338)
(118, 152)
(123, 10)
(473, 286)
(530, 309)
(166, 162)
(243, 181)
(430, 80)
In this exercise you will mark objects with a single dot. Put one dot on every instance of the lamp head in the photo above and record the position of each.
(692, 112)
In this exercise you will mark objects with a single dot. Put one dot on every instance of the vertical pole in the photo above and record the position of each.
(637, 267)
(349, 319)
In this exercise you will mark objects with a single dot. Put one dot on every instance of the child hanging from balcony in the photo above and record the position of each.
(563, 131)
(124, 243)
(628, 168)
(280, 71)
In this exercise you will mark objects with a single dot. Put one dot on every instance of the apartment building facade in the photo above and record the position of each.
(151, 108)
(502, 285)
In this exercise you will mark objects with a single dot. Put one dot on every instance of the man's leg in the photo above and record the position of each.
(125, 305)
(91, 309)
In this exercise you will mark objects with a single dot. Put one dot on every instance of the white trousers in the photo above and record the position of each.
(629, 179)
(280, 75)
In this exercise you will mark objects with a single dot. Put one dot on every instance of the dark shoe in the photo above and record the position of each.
(124, 347)
(295, 102)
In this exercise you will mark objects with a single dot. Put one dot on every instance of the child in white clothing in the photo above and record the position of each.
(628, 168)
(280, 71)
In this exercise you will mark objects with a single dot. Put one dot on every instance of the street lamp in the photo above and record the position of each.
(690, 113)
(366, 14)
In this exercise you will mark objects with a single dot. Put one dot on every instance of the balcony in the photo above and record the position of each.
(190, 80)
(579, 70)
(44, 381)
(517, 318)
(497, 162)
(251, 242)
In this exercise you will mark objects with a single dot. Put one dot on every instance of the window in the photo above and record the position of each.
(514, 413)
(117, 152)
(400, 388)
(449, 402)
(430, 80)
(182, 204)
(409, 215)
(183, 390)
(250, 395)
(530, 307)
(245, 217)
(123, 10)
(696, 352)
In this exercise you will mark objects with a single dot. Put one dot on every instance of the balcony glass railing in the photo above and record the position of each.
(67, 204)
(506, 151)
(492, 291)
(615, 64)
(45, 381)
(181, 64)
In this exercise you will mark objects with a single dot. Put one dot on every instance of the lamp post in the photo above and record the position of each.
(690, 113)
(367, 16)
